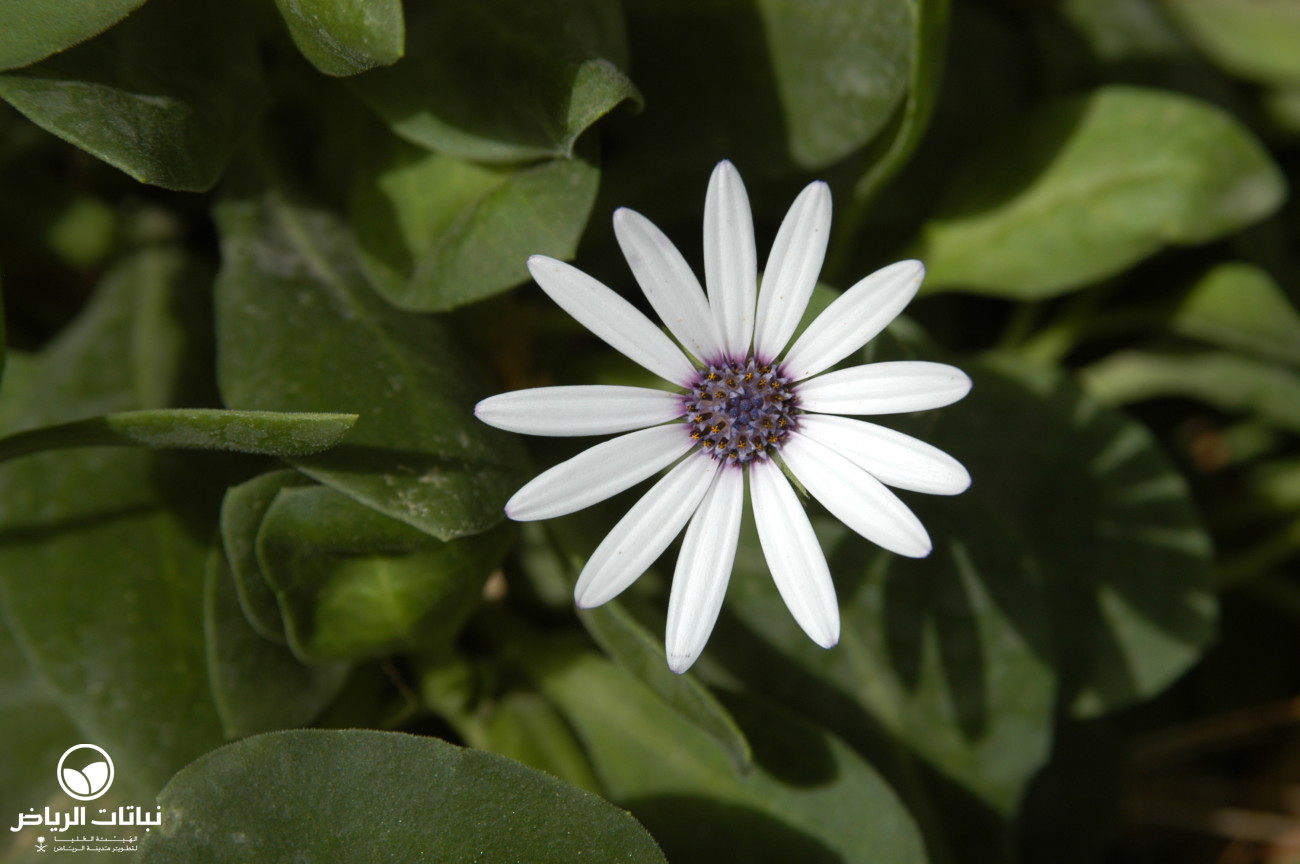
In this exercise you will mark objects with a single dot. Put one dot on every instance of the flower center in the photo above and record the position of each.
(739, 411)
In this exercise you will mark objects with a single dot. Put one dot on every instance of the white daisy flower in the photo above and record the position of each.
(746, 405)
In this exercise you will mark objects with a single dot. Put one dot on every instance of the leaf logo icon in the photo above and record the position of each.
(92, 779)
(88, 780)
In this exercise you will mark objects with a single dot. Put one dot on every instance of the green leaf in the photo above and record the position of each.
(165, 96)
(344, 37)
(260, 432)
(242, 511)
(369, 796)
(499, 81)
(1118, 30)
(36, 732)
(299, 330)
(33, 31)
(929, 28)
(100, 562)
(1072, 576)
(805, 800)
(437, 232)
(1090, 185)
(621, 637)
(354, 583)
(258, 686)
(841, 70)
(1227, 381)
(1255, 40)
(1239, 306)
(525, 727)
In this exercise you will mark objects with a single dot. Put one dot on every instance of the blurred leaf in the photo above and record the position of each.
(165, 96)
(1072, 576)
(367, 796)
(261, 432)
(499, 81)
(1283, 108)
(525, 727)
(298, 330)
(1255, 40)
(258, 686)
(242, 511)
(344, 37)
(100, 562)
(1238, 305)
(809, 798)
(353, 583)
(36, 731)
(32, 31)
(841, 70)
(928, 36)
(516, 723)
(1118, 30)
(1089, 186)
(1229, 382)
(437, 232)
(631, 645)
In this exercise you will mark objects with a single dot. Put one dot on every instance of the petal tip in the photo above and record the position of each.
(680, 663)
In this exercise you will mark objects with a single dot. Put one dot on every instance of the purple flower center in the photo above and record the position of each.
(739, 412)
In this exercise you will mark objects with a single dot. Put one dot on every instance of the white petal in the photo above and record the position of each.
(703, 569)
(793, 554)
(598, 473)
(854, 319)
(611, 318)
(579, 410)
(856, 498)
(884, 388)
(792, 269)
(644, 533)
(730, 264)
(891, 457)
(668, 282)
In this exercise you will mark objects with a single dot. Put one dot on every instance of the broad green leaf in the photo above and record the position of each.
(437, 232)
(344, 37)
(841, 70)
(1072, 576)
(299, 330)
(1227, 381)
(808, 798)
(624, 639)
(260, 432)
(354, 583)
(498, 81)
(257, 685)
(1239, 306)
(165, 96)
(358, 795)
(242, 511)
(33, 31)
(1255, 40)
(102, 559)
(1090, 185)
